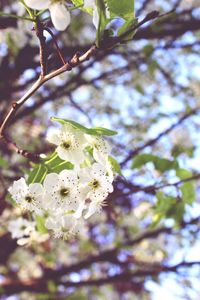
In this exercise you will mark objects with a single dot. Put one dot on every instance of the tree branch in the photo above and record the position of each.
(153, 141)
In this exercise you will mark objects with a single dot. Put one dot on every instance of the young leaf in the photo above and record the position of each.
(91, 131)
(103, 131)
(126, 28)
(121, 8)
(115, 165)
(167, 207)
(80, 4)
(160, 164)
(187, 188)
(188, 192)
(40, 221)
(3, 163)
(37, 174)
(55, 164)
(183, 174)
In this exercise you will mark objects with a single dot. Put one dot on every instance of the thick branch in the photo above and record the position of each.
(10, 287)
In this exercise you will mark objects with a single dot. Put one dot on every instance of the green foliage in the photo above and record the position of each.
(52, 288)
(187, 188)
(148, 50)
(183, 174)
(167, 207)
(174, 207)
(3, 163)
(125, 30)
(188, 192)
(55, 164)
(91, 131)
(78, 3)
(160, 164)
(125, 10)
(37, 174)
(121, 8)
(115, 165)
(40, 224)
(180, 149)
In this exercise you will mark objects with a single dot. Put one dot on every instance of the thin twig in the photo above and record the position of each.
(153, 141)
(56, 44)
(39, 29)
(152, 188)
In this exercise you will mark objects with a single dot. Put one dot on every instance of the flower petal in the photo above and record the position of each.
(96, 17)
(36, 189)
(38, 4)
(80, 209)
(93, 207)
(51, 182)
(59, 15)
(62, 153)
(53, 138)
(89, 3)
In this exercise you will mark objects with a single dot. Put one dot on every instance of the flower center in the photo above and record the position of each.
(66, 145)
(64, 192)
(23, 227)
(29, 198)
(95, 184)
(96, 146)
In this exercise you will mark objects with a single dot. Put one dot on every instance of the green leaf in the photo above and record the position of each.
(167, 207)
(55, 164)
(180, 149)
(121, 8)
(3, 163)
(52, 288)
(79, 4)
(126, 27)
(103, 131)
(91, 131)
(187, 189)
(177, 212)
(164, 203)
(188, 192)
(160, 164)
(148, 50)
(115, 165)
(37, 174)
(40, 221)
(103, 21)
(183, 174)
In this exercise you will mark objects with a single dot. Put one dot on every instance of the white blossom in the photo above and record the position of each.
(97, 185)
(101, 149)
(34, 237)
(64, 225)
(60, 16)
(62, 190)
(28, 197)
(70, 142)
(20, 227)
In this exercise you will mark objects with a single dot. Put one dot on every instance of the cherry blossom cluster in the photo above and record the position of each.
(59, 12)
(66, 199)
